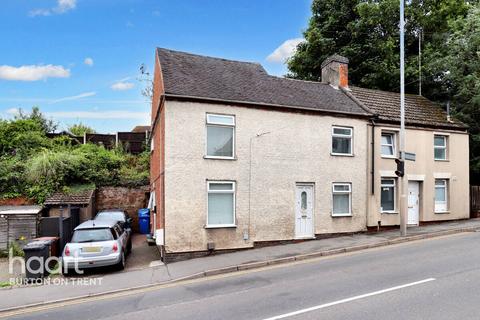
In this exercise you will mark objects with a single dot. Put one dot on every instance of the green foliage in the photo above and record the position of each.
(80, 129)
(366, 32)
(35, 166)
(47, 125)
(16, 249)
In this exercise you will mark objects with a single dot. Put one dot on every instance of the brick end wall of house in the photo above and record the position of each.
(128, 199)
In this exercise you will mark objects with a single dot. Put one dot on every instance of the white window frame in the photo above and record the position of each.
(394, 185)
(349, 193)
(443, 204)
(444, 147)
(338, 135)
(211, 123)
(392, 145)
(152, 144)
(232, 191)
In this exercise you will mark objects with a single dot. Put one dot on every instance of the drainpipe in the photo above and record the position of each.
(372, 172)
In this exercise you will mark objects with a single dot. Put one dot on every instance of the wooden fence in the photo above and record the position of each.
(474, 201)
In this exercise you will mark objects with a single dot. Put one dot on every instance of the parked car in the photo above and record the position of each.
(117, 215)
(97, 243)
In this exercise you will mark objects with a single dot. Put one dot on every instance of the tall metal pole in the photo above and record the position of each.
(420, 61)
(402, 179)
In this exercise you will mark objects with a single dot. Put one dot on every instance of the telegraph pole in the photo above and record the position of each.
(402, 178)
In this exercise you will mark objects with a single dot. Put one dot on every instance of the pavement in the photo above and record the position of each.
(433, 279)
(144, 277)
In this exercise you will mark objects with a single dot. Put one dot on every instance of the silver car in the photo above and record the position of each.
(96, 243)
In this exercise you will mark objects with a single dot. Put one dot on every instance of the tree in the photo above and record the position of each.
(80, 129)
(48, 125)
(461, 77)
(366, 32)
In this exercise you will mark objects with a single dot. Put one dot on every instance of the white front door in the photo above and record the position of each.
(413, 202)
(304, 211)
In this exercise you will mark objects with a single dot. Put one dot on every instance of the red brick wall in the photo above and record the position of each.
(157, 164)
(128, 199)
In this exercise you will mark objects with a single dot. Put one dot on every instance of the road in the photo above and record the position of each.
(429, 279)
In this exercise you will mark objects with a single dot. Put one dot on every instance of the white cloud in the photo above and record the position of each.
(109, 114)
(88, 61)
(122, 86)
(78, 96)
(284, 51)
(61, 7)
(33, 72)
(12, 111)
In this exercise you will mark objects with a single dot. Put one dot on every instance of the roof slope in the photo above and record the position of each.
(418, 110)
(60, 198)
(191, 75)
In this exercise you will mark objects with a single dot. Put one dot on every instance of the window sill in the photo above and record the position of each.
(340, 215)
(341, 154)
(219, 158)
(219, 226)
(442, 212)
(387, 157)
(389, 212)
(442, 160)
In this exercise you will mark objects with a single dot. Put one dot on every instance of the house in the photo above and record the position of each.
(438, 179)
(240, 157)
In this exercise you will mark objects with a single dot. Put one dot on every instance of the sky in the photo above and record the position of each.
(78, 60)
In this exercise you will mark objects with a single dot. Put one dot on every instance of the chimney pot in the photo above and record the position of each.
(335, 71)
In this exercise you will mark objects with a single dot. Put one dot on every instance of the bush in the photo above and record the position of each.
(35, 166)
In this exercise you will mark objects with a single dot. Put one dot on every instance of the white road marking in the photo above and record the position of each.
(330, 304)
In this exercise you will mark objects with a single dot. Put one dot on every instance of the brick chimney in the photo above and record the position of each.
(335, 71)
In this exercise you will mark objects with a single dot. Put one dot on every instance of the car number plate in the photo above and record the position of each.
(91, 249)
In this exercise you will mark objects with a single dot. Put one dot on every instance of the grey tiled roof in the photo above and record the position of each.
(60, 198)
(186, 74)
(418, 110)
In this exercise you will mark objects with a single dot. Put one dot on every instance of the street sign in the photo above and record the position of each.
(410, 156)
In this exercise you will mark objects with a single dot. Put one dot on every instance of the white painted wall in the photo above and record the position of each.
(296, 149)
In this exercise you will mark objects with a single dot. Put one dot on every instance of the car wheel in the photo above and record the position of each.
(121, 264)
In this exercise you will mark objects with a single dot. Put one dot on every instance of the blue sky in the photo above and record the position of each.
(78, 60)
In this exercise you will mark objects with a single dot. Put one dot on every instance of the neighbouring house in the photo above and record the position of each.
(240, 157)
(144, 129)
(18, 223)
(79, 203)
(438, 179)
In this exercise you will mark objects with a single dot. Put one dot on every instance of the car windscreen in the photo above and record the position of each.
(111, 215)
(92, 235)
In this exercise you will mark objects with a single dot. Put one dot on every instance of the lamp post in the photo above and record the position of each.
(403, 180)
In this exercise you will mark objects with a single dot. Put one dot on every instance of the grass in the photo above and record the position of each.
(77, 188)
(5, 284)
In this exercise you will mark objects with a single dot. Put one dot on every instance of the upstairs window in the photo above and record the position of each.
(441, 196)
(220, 136)
(440, 147)
(388, 144)
(342, 141)
(342, 199)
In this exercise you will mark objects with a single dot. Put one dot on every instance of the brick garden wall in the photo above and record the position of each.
(128, 199)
